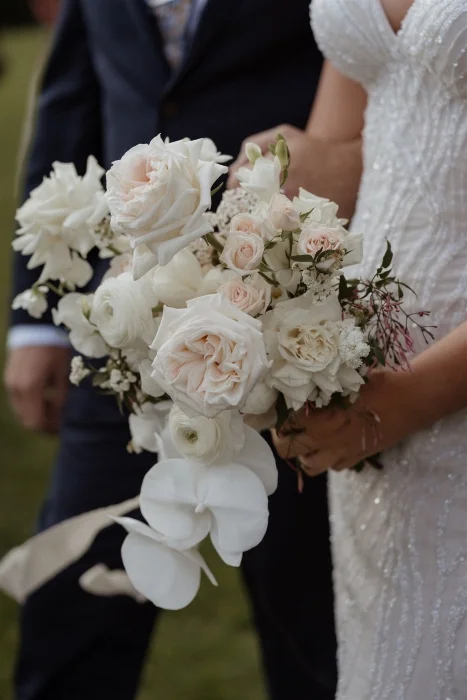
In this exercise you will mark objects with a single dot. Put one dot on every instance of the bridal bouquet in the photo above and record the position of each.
(209, 327)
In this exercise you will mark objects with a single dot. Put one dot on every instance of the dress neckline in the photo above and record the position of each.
(395, 36)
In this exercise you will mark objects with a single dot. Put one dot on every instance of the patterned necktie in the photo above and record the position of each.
(172, 17)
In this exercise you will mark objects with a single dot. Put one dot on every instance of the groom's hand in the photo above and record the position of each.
(327, 169)
(36, 379)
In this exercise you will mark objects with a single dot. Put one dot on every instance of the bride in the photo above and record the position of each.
(400, 534)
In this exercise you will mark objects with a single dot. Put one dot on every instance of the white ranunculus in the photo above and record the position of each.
(209, 152)
(342, 248)
(282, 214)
(73, 312)
(158, 194)
(209, 356)
(251, 295)
(207, 440)
(303, 340)
(122, 313)
(242, 252)
(34, 301)
(263, 179)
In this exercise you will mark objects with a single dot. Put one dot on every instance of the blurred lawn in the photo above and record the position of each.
(207, 652)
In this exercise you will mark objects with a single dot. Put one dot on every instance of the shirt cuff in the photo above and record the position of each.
(22, 336)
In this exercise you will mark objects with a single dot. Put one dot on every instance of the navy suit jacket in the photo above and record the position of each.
(251, 65)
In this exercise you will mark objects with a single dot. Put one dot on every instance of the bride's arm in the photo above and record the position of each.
(338, 110)
(326, 156)
(404, 402)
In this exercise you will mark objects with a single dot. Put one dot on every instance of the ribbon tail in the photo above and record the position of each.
(28, 567)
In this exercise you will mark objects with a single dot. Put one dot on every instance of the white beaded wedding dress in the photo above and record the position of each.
(400, 535)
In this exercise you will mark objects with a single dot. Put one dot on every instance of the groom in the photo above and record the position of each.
(121, 71)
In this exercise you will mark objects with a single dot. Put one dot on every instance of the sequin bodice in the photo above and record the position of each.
(400, 536)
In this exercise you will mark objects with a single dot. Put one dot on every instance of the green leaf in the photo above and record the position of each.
(217, 189)
(388, 256)
(343, 290)
(378, 353)
(213, 242)
(303, 258)
(304, 216)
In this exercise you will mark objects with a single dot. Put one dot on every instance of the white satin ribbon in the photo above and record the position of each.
(28, 567)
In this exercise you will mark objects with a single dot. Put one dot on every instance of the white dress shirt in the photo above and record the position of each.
(45, 334)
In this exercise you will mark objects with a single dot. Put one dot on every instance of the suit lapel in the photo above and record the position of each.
(150, 67)
(214, 19)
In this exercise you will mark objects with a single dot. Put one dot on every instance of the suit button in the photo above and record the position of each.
(170, 109)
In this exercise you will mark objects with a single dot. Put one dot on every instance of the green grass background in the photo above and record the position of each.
(207, 652)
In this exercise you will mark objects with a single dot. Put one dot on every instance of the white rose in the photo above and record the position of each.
(263, 179)
(243, 252)
(342, 248)
(252, 295)
(121, 312)
(158, 194)
(209, 356)
(210, 152)
(282, 214)
(34, 301)
(207, 440)
(245, 223)
(303, 339)
(73, 312)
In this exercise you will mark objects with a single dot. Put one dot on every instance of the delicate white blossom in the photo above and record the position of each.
(78, 370)
(34, 301)
(73, 311)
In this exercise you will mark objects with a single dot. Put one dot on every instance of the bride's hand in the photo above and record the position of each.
(339, 439)
(328, 169)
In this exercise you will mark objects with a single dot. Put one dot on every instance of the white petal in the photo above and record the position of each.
(258, 456)
(100, 580)
(239, 506)
(169, 500)
(228, 558)
(164, 576)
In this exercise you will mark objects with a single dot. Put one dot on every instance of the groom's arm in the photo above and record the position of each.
(67, 129)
